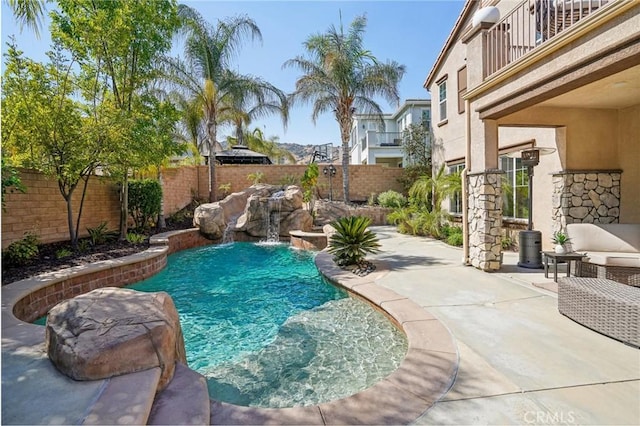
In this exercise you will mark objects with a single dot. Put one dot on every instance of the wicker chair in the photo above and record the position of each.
(606, 306)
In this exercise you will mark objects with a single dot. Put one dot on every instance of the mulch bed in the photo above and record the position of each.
(47, 260)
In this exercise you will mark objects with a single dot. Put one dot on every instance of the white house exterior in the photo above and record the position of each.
(376, 142)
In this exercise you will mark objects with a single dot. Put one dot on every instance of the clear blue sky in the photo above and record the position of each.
(409, 32)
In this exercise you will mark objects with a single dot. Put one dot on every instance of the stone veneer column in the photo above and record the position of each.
(585, 196)
(485, 219)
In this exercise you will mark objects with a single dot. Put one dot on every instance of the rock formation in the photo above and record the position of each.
(113, 331)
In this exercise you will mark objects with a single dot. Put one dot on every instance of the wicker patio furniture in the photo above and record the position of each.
(606, 306)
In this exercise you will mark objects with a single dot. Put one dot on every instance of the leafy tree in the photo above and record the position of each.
(341, 76)
(10, 179)
(415, 145)
(206, 77)
(46, 128)
(435, 188)
(117, 43)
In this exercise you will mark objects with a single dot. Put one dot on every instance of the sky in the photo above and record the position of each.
(408, 32)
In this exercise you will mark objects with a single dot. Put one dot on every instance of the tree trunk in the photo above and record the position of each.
(161, 219)
(345, 133)
(124, 207)
(211, 127)
(73, 237)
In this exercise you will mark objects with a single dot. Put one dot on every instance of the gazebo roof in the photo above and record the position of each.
(240, 154)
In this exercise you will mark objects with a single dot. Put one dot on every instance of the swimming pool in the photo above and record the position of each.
(266, 330)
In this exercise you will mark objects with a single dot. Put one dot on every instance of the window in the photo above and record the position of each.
(442, 99)
(455, 202)
(462, 88)
(515, 188)
(426, 118)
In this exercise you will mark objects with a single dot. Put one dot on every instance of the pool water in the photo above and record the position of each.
(267, 330)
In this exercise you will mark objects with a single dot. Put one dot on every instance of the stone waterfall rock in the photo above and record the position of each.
(113, 331)
(289, 205)
(249, 210)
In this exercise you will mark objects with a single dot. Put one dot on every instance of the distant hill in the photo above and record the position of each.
(304, 153)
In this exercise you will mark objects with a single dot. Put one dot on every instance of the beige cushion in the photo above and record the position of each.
(613, 237)
(613, 259)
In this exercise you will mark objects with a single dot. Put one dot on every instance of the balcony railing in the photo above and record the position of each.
(530, 24)
(383, 139)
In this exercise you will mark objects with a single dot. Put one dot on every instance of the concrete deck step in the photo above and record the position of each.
(185, 401)
(125, 399)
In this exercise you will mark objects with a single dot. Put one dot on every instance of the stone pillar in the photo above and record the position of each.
(485, 219)
(585, 196)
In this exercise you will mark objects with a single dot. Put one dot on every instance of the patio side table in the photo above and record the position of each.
(561, 258)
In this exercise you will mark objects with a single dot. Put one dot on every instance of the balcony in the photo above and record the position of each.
(382, 139)
(529, 25)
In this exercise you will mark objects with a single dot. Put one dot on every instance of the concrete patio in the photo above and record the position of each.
(521, 362)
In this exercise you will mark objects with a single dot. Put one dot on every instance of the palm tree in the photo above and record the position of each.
(341, 76)
(437, 187)
(28, 13)
(205, 75)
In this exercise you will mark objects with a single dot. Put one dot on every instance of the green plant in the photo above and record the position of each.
(255, 178)
(352, 240)
(371, 201)
(134, 238)
(84, 245)
(145, 201)
(225, 188)
(100, 234)
(560, 237)
(63, 252)
(22, 251)
(10, 178)
(454, 236)
(392, 199)
(288, 180)
(309, 181)
(506, 242)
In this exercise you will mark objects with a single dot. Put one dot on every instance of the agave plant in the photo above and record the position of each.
(352, 240)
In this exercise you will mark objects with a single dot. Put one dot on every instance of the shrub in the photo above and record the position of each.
(83, 245)
(352, 240)
(225, 188)
(134, 238)
(371, 201)
(392, 199)
(454, 236)
(288, 180)
(309, 181)
(100, 234)
(145, 201)
(255, 178)
(22, 251)
(63, 252)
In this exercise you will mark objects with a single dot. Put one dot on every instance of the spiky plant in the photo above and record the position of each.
(352, 240)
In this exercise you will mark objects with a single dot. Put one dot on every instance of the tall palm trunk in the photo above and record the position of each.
(345, 121)
(212, 130)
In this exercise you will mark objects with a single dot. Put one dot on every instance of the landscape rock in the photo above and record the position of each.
(112, 331)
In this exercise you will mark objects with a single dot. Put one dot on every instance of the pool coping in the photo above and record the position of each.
(424, 376)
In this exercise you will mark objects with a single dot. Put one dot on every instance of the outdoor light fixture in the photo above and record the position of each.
(530, 241)
(330, 172)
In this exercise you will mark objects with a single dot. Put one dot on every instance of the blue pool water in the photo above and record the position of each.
(266, 330)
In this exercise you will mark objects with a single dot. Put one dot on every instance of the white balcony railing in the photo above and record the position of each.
(530, 24)
(383, 139)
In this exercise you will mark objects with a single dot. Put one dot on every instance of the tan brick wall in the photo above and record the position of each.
(42, 209)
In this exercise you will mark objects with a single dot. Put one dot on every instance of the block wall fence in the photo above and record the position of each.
(43, 211)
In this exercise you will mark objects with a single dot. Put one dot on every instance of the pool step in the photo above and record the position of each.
(185, 400)
(125, 399)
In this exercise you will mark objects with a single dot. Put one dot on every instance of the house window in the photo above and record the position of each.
(426, 118)
(515, 188)
(462, 88)
(442, 99)
(455, 202)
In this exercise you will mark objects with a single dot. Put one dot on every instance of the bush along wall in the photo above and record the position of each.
(145, 199)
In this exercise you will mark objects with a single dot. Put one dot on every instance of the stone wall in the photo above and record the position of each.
(591, 196)
(485, 219)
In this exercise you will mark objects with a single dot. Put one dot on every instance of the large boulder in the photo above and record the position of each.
(113, 331)
(210, 218)
(297, 219)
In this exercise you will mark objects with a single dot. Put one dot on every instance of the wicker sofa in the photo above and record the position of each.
(612, 250)
(606, 296)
